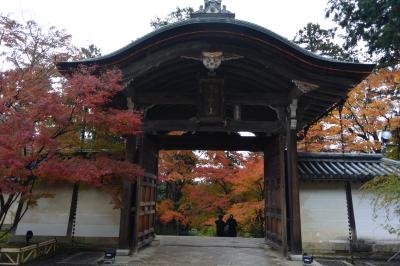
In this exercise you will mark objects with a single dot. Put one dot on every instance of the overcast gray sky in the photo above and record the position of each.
(111, 25)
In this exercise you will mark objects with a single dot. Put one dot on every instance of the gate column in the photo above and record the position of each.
(293, 184)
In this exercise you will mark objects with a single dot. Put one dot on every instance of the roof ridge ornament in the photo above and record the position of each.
(213, 8)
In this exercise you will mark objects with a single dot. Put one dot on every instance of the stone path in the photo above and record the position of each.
(209, 251)
(188, 251)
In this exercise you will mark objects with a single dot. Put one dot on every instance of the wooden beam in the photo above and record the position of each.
(222, 126)
(162, 98)
(210, 142)
(261, 98)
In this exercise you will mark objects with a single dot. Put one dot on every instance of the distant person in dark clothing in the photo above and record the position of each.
(232, 224)
(220, 226)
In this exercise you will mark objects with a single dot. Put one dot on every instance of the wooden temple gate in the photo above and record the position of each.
(211, 77)
(275, 198)
(137, 224)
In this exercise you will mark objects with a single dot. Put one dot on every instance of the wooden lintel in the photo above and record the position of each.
(210, 142)
(237, 99)
(156, 98)
(276, 99)
(223, 126)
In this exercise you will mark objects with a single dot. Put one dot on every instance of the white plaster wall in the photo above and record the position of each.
(50, 216)
(11, 213)
(96, 216)
(369, 228)
(323, 212)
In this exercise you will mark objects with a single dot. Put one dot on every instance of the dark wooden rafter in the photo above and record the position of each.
(246, 72)
(322, 96)
(308, 102)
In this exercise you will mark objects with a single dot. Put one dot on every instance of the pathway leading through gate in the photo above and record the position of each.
(187, 250)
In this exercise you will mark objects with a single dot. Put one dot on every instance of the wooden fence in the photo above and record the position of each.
(17, 256)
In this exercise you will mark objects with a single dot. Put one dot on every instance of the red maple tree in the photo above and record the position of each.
(54, 129)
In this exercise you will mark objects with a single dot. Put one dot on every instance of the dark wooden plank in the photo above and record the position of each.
(210, 142)
(161, 98)
(294, 194)
(260, 98)
(222, 126)
(125, 228)
(274, 171)
(145, 217)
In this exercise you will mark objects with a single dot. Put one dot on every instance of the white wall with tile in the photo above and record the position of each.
(369, 227)
(323, 212)
(50, 216)
(96, 215)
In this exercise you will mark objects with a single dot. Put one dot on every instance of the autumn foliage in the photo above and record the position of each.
(371, 107)
(56, 129)
(212, 183)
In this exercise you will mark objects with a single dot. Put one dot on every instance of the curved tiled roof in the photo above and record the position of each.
(269, 65)
(348, 166)
(170, 30)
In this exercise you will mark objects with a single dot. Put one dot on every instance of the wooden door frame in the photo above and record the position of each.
(274, 180)
(286, 215)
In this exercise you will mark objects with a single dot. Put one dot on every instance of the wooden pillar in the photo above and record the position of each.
(350, 214)
(293, 186)
(126, 220)
(72, 211)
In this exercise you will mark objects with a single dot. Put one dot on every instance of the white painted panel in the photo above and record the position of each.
(11, 212)
(96, 216)
(368, 227)
(323, 212)
(50, 216)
